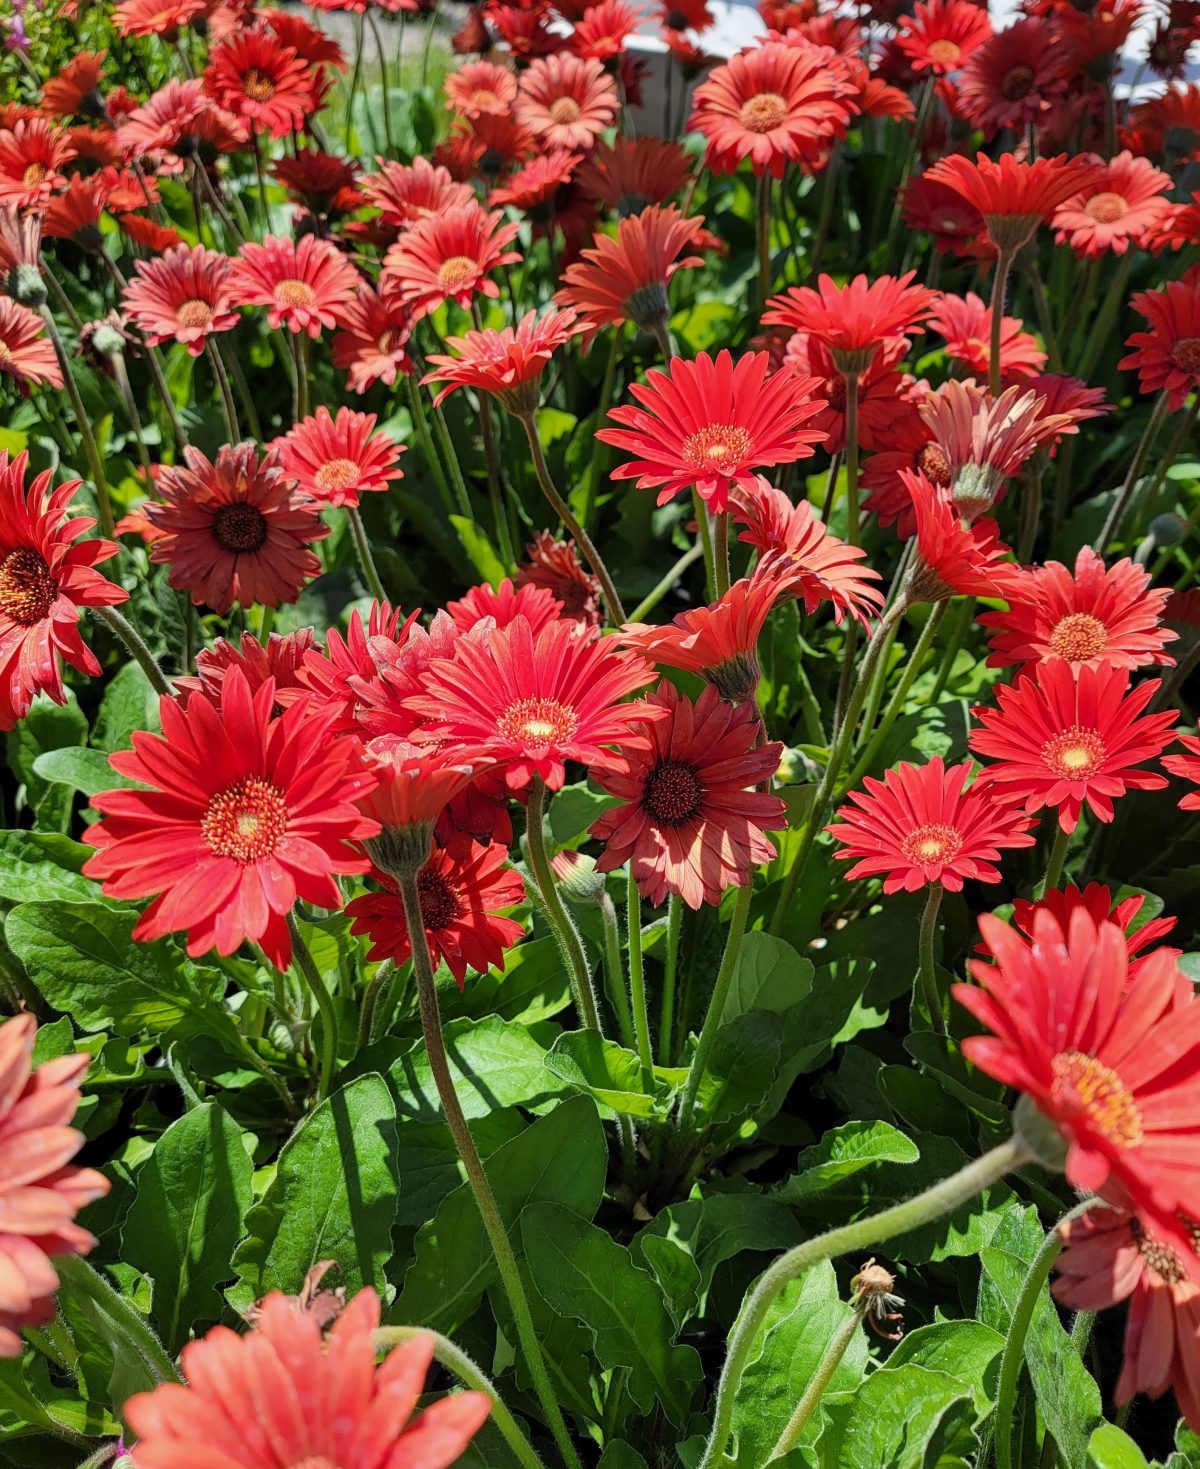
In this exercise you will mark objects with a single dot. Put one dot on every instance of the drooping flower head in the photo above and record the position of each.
(235, 529)
(75, 89)
(448, 257)
(711, 424)
(853, 321)
(335, 460)
(1012, 196)
(566, 101)
(155, 17)
(1167, 357)
(183, 296)
(923, 824)
(47, 576)
(1118, 209)
(556, 567)
(333, 1405)
(304, 285)
(692, 820)
(244, 812)
(40, 1190)
(1072, 737)
(941, 35)
(630, 174)
(26, 354)
(323, 183)
(508, 363)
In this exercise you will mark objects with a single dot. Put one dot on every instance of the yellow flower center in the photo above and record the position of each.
(764, 113)
(257, 85)
(245, 821)
(1106, 208)
(1076, 754)
(292, 292)
(565, 110)
(719, 447)
(1086, 1086)
(337, 474)
(195, 313)
(932, 842)
(457, 272)
(34, 174)
(944, 52)
(537, 723)
(1078, 637)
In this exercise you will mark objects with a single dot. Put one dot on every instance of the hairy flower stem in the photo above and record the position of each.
(218, 368)
(78, 1278)
(927, 970)
(560, 921)
(485, 1199)
(616, 612)
(941, 1199)
(472, 1376)
(362, 547)
(815, 1391)
(763, 215)
(852, 530)
(126, 634)
(721, 552)
(1013, 1355)
(651, 600)
(600, 449)
(637, 981)
(716, 1005)
(91, 453)
(1004, 260)
(1112, 522)
(614, 971)
(307, 966)
(300, 394)
(670, 970)
(705, 533)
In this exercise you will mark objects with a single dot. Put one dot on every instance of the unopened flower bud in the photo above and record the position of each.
(26, 286)
(1039, 1136)
(577, 878)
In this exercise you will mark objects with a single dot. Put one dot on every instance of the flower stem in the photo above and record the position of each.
(599, 448)
(462, 498)
(852, 532)
(307, 966)
(614, 971)
(654, 597)
(83, 423)
(941, 1199)
(561, 922)
(421, 427)
(78, 1277)
(764, 238)
(637, 980)
(927, 971)
(383, 81)
(366, 560)
(125, 632)
(1004, 260)
(820, 1380)
(616, 612)
(218, 367)
(1120, 505)
(485, 1199)
(716, 1005)
(721, 552)
(1054, 867)
(912, 668)
(670, 970)
(473, 1376)
(300, 356)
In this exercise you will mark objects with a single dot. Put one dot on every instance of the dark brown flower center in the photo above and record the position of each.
(1106, 208)
(1185, 354)
(1075, 754)
(1017, 83)
(27, 589)
(257, 85)
(240, 528)
(441, 900)
(538, 723)
(764, 113)
(931, 843)
(1087, 1087)
(673, 792)
(195, 313)
(1078, 637)
(935, 466)
(245, 821)
(718, 447)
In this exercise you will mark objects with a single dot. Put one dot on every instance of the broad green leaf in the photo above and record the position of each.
(533, 986)
(769, 975)
(480, 549)
(741, 1066)
(785, 1355)
(43, 865)
(619, 1455)
(1111, 1447)
(581, 1272)
(1187, 1449)
(968, 1351)
(333, 1197)
(47, 726)
(428, 1165)
(843, 1152)
(129, 704)
(561, 1159)
(573, 810)
(608, 1073)
(905, 1418)
(83, 770)
(186, 1220)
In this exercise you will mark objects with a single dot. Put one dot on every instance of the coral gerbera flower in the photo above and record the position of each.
(448, 257)
(880, 398)
(1110, 1256)
(711, 424)
(463, 896)
(343, 1409)
(1101, 905)
(236, 530)
(1014, 197)
(246, 811)
(323, 183)
(32, 155)
(182, 296)
(508, 363)
(534, 187)
(1116, 210)
(164, 18)
(503, 603)
(1070, 737)
(75, 88)
(954, 558)
(941, 212)
(252, 74)
(26, 354)
(532, 701)
(1110, 1062)
(603, 29)
(481, 86)
(304, 285)
(629, 174)
(1095, 615)
(1187, 766)
(1167, 357)
(940, 35)
(40, 1191)
(405, 193)
(555, 566)
(45, 581)
(335, 460)
(1014, 78)
(566, 101)
(281, 661)
(371, 344)
(923, 824)
(796, 547)
(854, 320)
(692, 821)
(966, 323)
(625, 278)
(775, 105)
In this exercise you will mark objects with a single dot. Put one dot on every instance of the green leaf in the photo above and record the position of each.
(741, 1066)
(843, 1152)
(905, 1418)
(42, 864)
(480, 549)
(186, 1220)
(533, 986)
(129, 704)
(1111, 1447)
(769, 975)
(83, 770)
(1187, 1449)
(428, 1161)
(561, 1159)
(608, 1073)
(333, 1197)
(968, 1351)
(573, 810)
(784, 1358)
(47, 726)
(581, 1272)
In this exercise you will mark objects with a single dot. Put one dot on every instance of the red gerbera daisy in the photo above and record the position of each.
(149, 234)
(1071, 737)
(324, 1398)
(954, 558)
(304, 286)
(1110, 1256)
(448, 257)
(942, 213)
(405, 193)
(629, 174)
(462, 899)
(40, 1192)
(881, 400)
(371, 344)
(625, 278)
(1108, 1061)
(1100, 904)
(1167, 357)
(966, 324)
(710, 424)
(524, 30)
(335, 460)
(508, 363)
(336, 675)
(692, 822)
(32, 155)
(503, 603)
(854, 320)
(534, 187)
(280, 661)
(245, 812)
(1167, 126)
(923, 824)
(566, 101)
(1116, 210)
(532, 702)
(604, 29)
(555, 565)
(182, 296)
(1068, 397)
(323, 183)
(1187, 766)
(775, 105)
(912, 449)
(44, 582)
(1096, 615)
(237, 530)
(481, 86)
(26, 354)
(75, 89)
(796, 547)
(1014, 197)
(164, 18)
(252, 74)
(940, 35)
